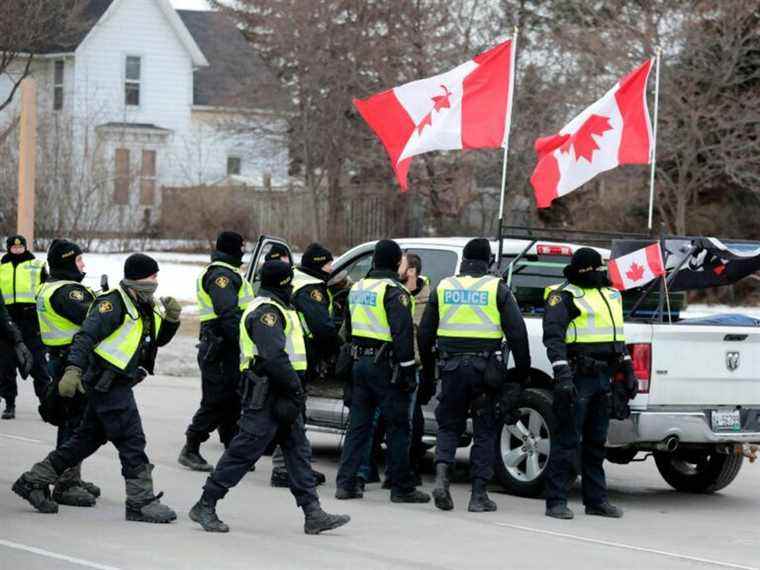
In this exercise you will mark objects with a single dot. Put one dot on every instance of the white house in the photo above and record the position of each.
(149, 96)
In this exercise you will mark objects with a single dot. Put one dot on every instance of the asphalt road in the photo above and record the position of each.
(661, 528)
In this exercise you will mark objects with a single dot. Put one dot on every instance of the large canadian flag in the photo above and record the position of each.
(614, 130)
(637, 268)
(462, 108)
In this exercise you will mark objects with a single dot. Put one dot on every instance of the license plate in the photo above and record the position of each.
(726, 420)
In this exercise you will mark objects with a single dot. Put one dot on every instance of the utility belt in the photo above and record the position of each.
(380, 353)
(213, 351)
(486, 354)
(102, 379)
(492, 363)
(590, 365)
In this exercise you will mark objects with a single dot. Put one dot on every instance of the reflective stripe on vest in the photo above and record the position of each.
(468, 308)
(55, 329)
(367, 308)
(601, 315)
(295, 344)
(119, 348)
(206, 306)
(20, 282)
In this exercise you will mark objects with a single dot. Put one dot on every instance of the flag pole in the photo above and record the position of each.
(658, 52)
(507, 127)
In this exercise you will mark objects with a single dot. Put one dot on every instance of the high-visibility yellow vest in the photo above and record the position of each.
(122, 344)
(601, 318)
(295, 343)
(468, 308)
(367, 308)
(20, 282)
(56, 330)
(301, 280)
(206, 306)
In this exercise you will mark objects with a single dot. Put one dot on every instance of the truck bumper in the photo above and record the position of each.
(688, 427)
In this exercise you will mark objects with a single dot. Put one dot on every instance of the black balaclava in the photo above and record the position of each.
(139, 266)
(277, 277)
(387, 255)
(314, 258)
(61, 259)
(585, 269)
(231, 244)
(277, 252)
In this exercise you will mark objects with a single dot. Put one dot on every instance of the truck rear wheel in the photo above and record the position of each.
(522, 449)
(698, 471)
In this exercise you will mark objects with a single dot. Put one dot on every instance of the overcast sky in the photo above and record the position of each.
(190, 4)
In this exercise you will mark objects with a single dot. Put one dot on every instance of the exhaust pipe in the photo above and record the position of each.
(669, 444)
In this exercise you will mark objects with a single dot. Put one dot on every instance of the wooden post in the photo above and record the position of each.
(27, 164)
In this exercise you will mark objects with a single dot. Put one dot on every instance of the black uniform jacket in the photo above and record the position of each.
(397, 305)
(512, 324)
(222, 285)
(313, 302)
(266, 327)
(105, 316)
(8, 330)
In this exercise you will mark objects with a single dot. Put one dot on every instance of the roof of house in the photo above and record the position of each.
(234, 65)
(93, 11)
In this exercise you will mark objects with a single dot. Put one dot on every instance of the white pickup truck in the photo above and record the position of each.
(699, 384)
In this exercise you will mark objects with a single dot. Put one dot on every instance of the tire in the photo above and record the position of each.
(523, 475)
(698, 471)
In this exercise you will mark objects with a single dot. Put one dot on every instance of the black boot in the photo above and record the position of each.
(34, 487)
(70, 491)
(317, 520)
(191, 457)
(10, 411)
(413, 496)
(204, 513)
(345, 494)
(280, 478)
(142, 505)
(480, 502)
(441, 493)
(560, 511)
(605, 510)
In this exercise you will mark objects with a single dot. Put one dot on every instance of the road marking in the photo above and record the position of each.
(611, 544)
(20, 438)
(48, 554)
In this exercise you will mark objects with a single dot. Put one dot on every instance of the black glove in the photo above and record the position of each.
(631, 382)
(427, 388)
(24, 359)
(140, 375)
(288, 407)
(565, 393)
(407, 378)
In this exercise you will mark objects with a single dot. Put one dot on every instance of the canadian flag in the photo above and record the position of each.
(465, 107)
(614, 130)
(637, 268)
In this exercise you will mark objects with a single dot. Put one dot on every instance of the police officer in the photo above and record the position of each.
(273, 355)
(585, 342)
(13, 351)
(62, 306)
(313, 302)
(20, 276)
(468, 316)
(380, 326)
(223, 295)
(115, 349)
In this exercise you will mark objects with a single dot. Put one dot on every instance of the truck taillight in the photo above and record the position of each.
(546, 249)
(641, 358)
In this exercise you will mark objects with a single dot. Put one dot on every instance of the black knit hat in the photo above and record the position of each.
(316, 256)
(230, 243)
(139, 266)
(278, 251)
(478, 249)
(586, 259)
(387, 255)
(275, 273)
(62, 254)
(18, 239)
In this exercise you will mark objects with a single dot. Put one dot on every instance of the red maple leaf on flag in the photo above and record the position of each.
(582, 141)
(439, 102)
(635, 272)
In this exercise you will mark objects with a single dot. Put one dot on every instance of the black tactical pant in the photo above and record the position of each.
(26, 319)
(586, 427)
(258, 429)
(463, 393)
(74, 407)
(372, 388)
(220, 400)
(109, 416)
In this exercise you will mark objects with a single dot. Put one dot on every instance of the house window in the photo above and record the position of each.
(132, 74)
(58, 85)
(148, 178)
(233, 166)
(121, 181)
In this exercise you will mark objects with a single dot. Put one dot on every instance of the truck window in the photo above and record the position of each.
(359, 267)
(436, 263)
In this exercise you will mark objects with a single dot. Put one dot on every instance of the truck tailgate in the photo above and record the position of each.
(705, 365)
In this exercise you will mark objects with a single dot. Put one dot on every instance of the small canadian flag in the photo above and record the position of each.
(637, 268)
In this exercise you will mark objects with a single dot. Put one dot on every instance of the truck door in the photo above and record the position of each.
(263, 246)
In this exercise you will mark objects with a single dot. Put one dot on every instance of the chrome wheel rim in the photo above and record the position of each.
(525, 446)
